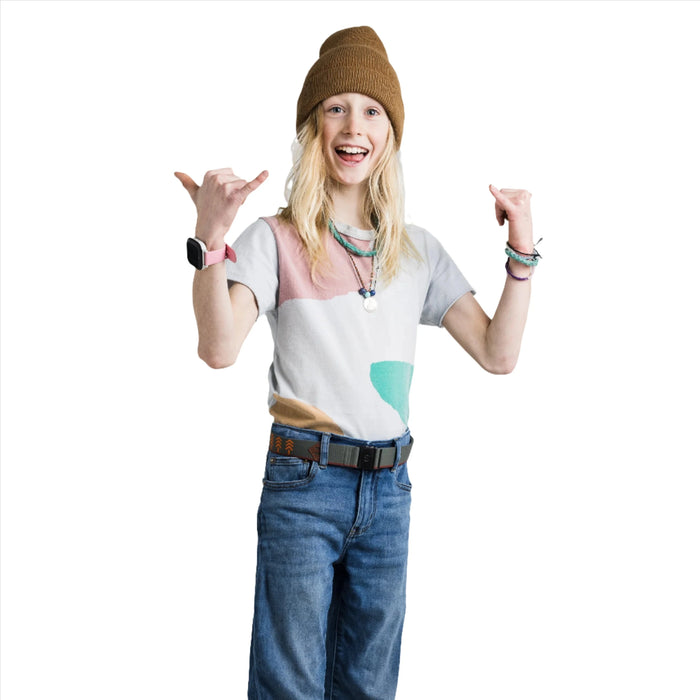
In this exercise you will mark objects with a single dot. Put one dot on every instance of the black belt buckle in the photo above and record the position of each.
(368, 458)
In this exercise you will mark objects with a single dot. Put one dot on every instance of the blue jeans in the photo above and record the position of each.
(330, 591)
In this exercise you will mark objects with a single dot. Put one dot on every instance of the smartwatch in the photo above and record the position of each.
(201, 258)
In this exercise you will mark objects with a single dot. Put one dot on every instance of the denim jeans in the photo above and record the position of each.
(330, 591)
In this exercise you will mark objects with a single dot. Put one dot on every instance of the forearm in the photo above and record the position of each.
(221, 330)
(214, 316)
(504, 332)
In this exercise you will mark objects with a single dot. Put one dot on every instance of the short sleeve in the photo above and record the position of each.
(446, 283)
(257, 265)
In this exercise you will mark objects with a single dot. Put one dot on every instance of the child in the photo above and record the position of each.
(344, 284)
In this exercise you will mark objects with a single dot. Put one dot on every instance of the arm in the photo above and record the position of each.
(495, 343)
(224, 317)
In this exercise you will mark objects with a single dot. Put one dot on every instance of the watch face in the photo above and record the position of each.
(195, 253)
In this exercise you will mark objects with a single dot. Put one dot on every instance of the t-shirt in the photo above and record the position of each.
(337, 367)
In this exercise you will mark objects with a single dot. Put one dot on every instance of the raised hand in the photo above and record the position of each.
(514, 206)
(217, 200)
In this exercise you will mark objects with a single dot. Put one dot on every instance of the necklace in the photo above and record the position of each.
(349, 246)
(367, 292)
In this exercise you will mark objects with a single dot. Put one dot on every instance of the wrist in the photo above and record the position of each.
(525, 254)
(212, 239)
(201, 257)
(523, 247)
(521, 235)
(521, 263)
(212, 244)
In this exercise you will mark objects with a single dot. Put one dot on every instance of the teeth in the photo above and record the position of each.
(351, 149)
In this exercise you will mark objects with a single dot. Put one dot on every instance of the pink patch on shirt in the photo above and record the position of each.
(295, 275)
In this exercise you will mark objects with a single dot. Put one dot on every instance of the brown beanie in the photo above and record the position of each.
(353, 60)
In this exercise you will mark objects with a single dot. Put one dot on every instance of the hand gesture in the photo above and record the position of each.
(218, 200)
(514, 206)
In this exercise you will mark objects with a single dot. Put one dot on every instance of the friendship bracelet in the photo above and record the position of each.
(530, 262)
(534, 254)
(515, 277)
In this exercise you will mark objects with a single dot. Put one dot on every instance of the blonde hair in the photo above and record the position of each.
(310, 203)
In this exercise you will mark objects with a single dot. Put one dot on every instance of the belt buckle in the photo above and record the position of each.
(368, 457)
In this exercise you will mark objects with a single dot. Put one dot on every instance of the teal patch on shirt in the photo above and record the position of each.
(392, 380)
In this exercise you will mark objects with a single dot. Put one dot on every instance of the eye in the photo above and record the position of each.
(335, 109)
(373, 112)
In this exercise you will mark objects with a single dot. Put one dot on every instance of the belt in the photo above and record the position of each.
(365, 457)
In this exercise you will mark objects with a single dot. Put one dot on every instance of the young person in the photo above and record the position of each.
(344, 283)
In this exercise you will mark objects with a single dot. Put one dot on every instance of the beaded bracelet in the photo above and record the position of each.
(530, 261)
(515, 277)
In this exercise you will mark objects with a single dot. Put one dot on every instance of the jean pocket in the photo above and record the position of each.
(401, 477)
(283, 472)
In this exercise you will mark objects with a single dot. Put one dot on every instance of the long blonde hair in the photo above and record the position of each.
(310, 203)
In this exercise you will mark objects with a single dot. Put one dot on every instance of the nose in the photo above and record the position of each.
(352, 123)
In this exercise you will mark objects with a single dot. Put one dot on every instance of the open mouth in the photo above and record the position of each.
(351, 154)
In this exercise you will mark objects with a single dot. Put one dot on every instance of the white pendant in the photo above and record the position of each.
(370, 304)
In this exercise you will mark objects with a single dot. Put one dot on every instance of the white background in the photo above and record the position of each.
(555, 521)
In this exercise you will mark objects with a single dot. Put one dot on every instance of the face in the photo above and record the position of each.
(355, 133)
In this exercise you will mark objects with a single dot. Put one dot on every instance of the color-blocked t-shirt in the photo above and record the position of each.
(337, 367)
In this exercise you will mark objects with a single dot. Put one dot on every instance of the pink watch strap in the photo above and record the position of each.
(211, 257)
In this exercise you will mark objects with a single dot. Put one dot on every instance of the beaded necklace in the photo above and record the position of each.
(367, 292)
(349, 246)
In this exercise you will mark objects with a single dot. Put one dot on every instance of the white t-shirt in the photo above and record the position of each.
(337, 367)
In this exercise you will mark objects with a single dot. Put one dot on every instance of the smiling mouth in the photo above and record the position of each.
(351, 154)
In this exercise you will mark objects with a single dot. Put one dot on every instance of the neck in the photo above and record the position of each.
(348, 204)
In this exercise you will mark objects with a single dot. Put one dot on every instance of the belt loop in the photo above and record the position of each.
(399, 443)
(325, 441)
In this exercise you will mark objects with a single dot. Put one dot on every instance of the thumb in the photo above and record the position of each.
(496, 193)
(188, 183)
(501, 214)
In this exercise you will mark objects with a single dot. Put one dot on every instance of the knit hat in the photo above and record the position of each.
(353, 60)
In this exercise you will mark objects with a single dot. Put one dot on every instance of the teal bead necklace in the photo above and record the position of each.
(368, 292)
(349, 246)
